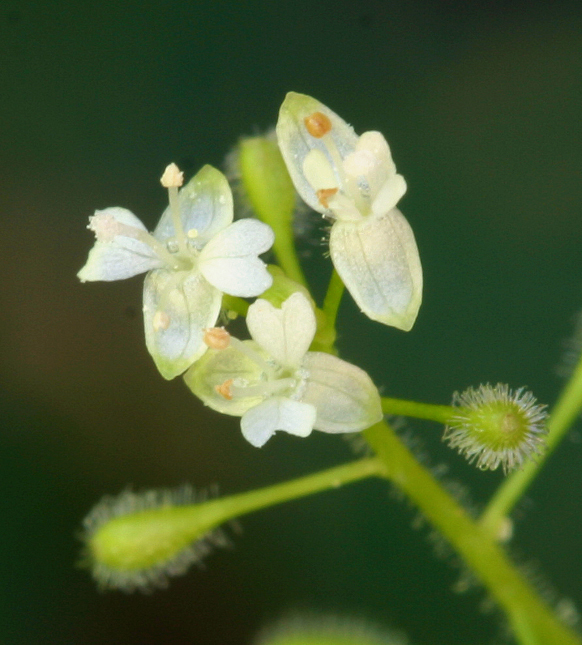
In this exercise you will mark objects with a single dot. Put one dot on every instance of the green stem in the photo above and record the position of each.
(236, 304)
(284, 249)
(333, 297)
(563, 415)
(237, 505)
(486, 558)
(121, 547)
(439, 413)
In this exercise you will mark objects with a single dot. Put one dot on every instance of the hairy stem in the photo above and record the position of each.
(486, 558)
(562, 416)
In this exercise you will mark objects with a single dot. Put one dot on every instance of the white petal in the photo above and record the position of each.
(205, 206)
(285, 333)
(178, 306)
(229, 261)
(260, 423)
(371, 159)
(378, 261)
(389, 195)
(295, 142)
(117, 254)
(344, 395)
(219, 367)
(109, 261)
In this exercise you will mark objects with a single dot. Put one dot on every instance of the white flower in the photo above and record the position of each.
(274, 383)
(195, 254)
(354, 180)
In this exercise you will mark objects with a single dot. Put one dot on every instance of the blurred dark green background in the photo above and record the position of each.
(481, 103)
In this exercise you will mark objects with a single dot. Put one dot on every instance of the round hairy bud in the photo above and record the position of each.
(496, 426)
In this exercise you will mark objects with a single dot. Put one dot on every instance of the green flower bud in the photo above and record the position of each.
(326, 630)
(496, 426)
(137, 541)
(267, 189)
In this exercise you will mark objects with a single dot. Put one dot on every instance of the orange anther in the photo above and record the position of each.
(317, 124)
(217, 337)
(224, 389)
(324, 194)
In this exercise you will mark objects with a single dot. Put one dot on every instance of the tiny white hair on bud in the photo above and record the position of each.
(173, 177)
(157, 576)
(496, 426)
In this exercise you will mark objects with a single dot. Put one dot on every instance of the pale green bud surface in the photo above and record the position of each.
(138, 540)
(266, 182)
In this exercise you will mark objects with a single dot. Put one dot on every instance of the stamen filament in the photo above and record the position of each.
(266, 388)
(177, 220)
(253, 355)
(173, 261)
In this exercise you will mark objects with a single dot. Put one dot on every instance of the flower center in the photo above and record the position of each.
(269, 378)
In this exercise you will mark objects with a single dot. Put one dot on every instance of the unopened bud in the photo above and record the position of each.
(496, 426)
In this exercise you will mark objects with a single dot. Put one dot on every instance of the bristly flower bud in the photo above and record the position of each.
(496, 426)
(136, 541)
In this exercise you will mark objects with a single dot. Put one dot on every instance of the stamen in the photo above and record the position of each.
(324, 194)
(192, 233)
(263, 389)
(254, 356)
(317, 124)
(172, 177)
(216, 337)
(225, 389)
(161, 321)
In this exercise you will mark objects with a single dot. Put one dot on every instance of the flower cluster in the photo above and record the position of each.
(197, 253)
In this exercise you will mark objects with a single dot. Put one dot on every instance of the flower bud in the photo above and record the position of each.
(137, 541)
(496, 426)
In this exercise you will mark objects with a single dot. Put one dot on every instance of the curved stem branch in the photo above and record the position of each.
(487, 559)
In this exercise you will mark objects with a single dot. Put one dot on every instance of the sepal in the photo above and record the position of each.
(208, 376)
(178, 306)
(377, 259)
(344, 395)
